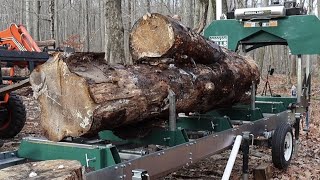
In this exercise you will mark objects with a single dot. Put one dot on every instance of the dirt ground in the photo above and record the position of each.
(305, 165)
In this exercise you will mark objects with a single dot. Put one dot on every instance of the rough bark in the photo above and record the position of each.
(114, 43)
(155, 36)
(81, 94)
(52, 169)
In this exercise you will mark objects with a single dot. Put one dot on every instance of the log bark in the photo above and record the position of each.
(158, 36)
(51, 169)
(80, 94)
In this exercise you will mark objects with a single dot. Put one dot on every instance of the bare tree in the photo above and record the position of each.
(114, 47)
(148, 5)
(36, 21)
(187, 14)
(86, 27)
(203, 16)
(56, 24)
(28, 20)
(51, 14)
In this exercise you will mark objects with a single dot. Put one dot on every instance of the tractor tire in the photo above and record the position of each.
(282, 146)
(12, 117)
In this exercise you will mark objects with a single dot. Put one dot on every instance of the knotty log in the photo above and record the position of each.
(81, 94)
(51, 169)
(155, 35)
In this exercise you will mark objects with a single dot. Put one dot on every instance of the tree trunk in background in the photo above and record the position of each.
(293, 61)
(196, 16)
(27, 14)
(22, 5)
(36, 21)
(187, 18)
(56, 23)
(52, 26)
(225, 6)
(260, 58)
(203, 16)
(127, 27)
(114, 33)
(287, 65)
(86, 27)
(148, 5)
(102, 24)
(211, 12)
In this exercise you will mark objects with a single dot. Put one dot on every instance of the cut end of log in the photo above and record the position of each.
(51, 169)
(157, 27)
(60, 94)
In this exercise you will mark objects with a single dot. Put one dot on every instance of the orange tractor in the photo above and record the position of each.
(17, 49)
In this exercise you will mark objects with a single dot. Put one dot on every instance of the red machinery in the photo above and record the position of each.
(17, 48)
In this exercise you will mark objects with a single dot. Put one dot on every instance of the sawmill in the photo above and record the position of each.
(186, 97)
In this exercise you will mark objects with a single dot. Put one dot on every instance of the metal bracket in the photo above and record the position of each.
(140, 174)
(89, 159)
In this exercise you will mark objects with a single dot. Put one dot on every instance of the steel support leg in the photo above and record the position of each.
(299, 78)
(253, 96)
(245, 151)
(172, 111)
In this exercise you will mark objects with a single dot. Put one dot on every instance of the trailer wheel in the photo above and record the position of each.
(282, 146)
(12, 117)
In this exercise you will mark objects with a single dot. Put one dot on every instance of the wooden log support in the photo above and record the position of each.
(51, 169)
(158, 36)
(262, 172)
(81, 94)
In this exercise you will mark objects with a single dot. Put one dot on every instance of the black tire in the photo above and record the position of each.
(12, 117)
(282, 146)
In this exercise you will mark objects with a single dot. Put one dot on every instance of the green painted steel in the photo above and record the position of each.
(270, 107)
(103, 156)
(286, 100)
(301, 32)
(244, 113)
(204, 122)
(156, 136)
(218, 120)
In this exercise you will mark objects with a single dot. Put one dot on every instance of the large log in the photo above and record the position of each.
(80, 94)
(155, 35)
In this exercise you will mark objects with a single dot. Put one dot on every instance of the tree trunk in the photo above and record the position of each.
(86, 26)
(28, 20)
(203, 19)
(211, 12)
(51, 169)
(165, 37)
(51, 14)
(102, 24)
(148, 4)
(114, 33)
(36, 21)
(187, 13)
(56, 23)
(82, 94)
(196, 16)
